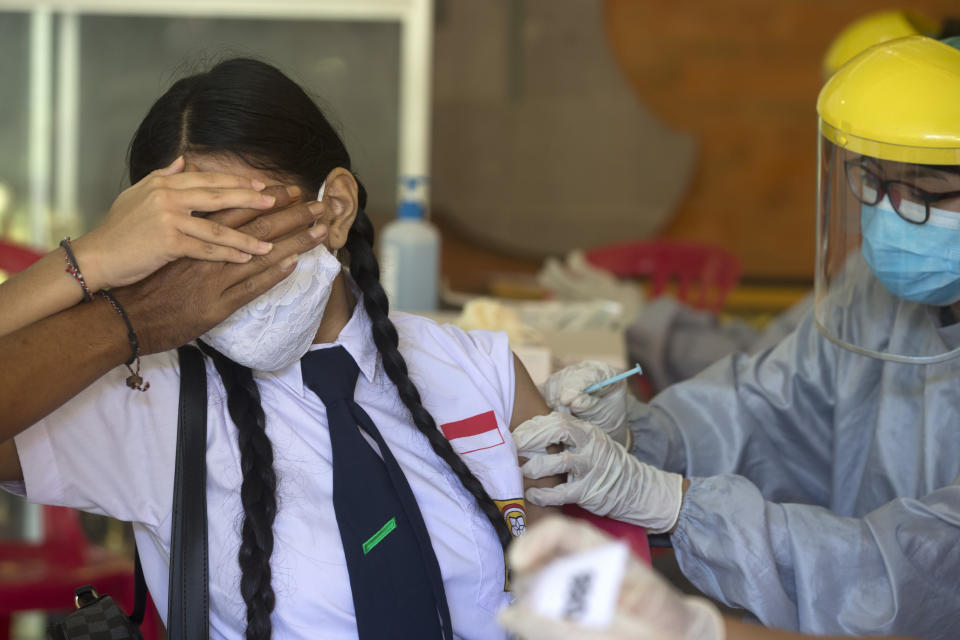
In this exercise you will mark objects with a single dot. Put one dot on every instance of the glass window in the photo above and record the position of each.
(350, 68)
(14, 110)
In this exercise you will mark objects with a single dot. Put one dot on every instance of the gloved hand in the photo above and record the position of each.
(603, 477)
(647, 606)
(606, 408)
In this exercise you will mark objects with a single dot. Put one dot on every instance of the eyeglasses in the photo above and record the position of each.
(911, 203)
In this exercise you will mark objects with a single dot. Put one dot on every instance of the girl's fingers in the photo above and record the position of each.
(173, 168)
(280, 223)
(216, 233)
(211, 180)
(234, 218)
(210, 199)
(200, 250)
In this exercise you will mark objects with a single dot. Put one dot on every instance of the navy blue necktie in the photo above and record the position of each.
(394, 575)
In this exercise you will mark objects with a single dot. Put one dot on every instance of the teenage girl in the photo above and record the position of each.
(443, 400)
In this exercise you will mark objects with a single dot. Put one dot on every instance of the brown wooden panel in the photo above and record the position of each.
(743, 75)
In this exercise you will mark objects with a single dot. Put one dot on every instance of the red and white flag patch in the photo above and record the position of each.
(474, 433)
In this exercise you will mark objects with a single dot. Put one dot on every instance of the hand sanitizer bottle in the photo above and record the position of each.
(410, 252)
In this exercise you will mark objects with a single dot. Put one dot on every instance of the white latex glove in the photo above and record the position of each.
(603, 477)
(576, 279)
(648, 608)
(606, 408)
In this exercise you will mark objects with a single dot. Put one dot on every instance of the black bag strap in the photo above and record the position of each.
(188, 608)
(139, 590)
(187, 581)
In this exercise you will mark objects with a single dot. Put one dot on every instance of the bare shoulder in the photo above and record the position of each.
(527, 401)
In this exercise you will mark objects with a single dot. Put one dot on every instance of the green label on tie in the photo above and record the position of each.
(379, 535)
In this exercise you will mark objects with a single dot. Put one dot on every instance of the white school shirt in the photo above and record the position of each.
(111, 451)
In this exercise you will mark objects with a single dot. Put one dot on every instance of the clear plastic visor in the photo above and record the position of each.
(888, 253)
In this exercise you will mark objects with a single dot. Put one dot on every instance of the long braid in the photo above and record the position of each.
(258, 493)
(366, 273)
(250, 110)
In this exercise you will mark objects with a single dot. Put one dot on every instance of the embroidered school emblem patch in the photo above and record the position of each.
(515, 513)
(474, 433)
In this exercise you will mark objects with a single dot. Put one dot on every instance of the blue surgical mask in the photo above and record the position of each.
(920, 263)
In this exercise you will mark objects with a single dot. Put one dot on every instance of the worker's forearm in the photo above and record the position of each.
(737, 630)
(47, 363)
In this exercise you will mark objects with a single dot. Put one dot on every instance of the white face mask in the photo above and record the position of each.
(277, 328)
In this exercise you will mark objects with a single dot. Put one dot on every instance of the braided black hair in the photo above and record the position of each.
(366, 273)
(258, 492)
(250, 109)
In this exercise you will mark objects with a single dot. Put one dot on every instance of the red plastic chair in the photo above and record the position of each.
(633, 535)
(15, 257)
(704, 275)
(43, 576)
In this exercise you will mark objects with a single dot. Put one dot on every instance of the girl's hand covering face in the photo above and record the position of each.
(152, 223)
(188, 297)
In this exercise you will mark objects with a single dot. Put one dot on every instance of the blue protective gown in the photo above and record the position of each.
(825, 485)
(675, 342)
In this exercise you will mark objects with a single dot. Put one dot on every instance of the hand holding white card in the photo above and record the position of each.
(582, 588)
(574, 582)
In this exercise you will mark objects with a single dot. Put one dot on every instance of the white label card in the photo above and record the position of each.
(582, 588)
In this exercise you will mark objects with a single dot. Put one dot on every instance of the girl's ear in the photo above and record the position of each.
(341, 202)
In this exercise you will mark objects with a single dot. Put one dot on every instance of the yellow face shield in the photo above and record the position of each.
(888, 205)
(872, 29)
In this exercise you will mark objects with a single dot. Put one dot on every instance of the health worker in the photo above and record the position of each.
(817, 483)
(674, 341)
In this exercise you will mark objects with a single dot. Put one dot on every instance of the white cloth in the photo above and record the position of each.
(111, 451)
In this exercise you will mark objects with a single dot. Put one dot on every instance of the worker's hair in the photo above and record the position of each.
(251, 110)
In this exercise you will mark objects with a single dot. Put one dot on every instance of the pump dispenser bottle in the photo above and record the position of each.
(410, 252)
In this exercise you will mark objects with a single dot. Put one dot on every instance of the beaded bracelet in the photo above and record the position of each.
(134, 381)
(74, 269)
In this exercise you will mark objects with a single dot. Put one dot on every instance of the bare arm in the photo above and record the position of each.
(528, 403)
(149, 225)
(737, 630)
(50, 361)
(41, 290)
